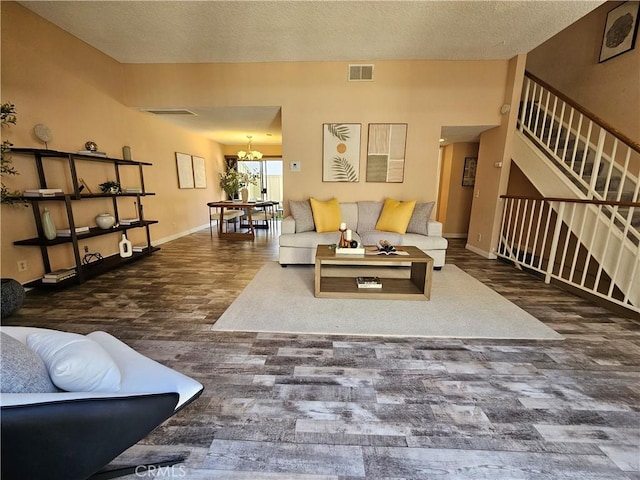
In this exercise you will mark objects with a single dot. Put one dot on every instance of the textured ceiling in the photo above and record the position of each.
(323, 30)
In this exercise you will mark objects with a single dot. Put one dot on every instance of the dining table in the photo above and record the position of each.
(248, 207)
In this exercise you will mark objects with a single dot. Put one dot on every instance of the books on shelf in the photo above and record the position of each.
(132, 190)
(43, 192)
(92, 153)
(369, 282)
(128, 221)
(66, 232)
(59, 275)
(138, 248)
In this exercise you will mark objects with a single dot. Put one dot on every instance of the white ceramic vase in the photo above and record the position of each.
(244, 194)
(105, 221)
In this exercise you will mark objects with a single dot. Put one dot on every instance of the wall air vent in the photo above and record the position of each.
(169, 111)
(360, 73)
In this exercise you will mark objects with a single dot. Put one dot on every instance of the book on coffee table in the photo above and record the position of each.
(369, 282)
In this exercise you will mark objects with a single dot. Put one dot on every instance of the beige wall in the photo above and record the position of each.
(492, 180)
(83, 95)
(425, 95)
(569, 62)
(454, 199)
(57, 80)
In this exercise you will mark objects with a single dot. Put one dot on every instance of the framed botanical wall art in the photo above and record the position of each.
(185, 170)
(199, 172)
(341, 152)
(469, 171)
(620, 31)
(386, 151)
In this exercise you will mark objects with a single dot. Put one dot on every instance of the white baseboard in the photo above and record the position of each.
(482, 253)
(175, 236)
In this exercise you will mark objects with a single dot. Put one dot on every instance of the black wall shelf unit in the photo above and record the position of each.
(89, 270)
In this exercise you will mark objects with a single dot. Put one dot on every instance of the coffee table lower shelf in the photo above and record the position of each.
(415, 284)
(392, 289)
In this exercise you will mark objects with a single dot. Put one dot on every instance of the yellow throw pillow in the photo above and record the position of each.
(326, 215)
(395, 216)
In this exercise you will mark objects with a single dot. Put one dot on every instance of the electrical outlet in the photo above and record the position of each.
(22, 265)
(86, 249)
(477, 193)
(479, 237)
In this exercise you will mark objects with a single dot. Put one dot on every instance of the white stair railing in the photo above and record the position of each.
(571, 241)
(603, 163)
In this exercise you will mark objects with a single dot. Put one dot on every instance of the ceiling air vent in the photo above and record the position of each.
(169, 111)
(360, 73)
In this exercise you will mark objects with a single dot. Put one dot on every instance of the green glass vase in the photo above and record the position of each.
(48, 227)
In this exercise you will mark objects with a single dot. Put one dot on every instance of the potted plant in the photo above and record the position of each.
(110, 187)
(8, 197)
(232, 181)
(12, 292)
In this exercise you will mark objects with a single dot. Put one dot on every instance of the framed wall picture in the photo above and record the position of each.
(469, 171)
(185, 170)
(199, 172)
(620, 31)
(341, 152)
(386, 149)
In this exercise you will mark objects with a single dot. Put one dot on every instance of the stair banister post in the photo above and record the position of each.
(596, 163)
(554, 242)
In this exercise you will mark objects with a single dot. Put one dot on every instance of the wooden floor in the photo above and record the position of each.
(320, 407)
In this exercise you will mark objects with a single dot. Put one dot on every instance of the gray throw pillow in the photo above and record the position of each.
(22, 369)
(302, 214)
(368, 214)
(420, 217)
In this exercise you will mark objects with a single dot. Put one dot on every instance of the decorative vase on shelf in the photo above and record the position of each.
(48, 227)
(105, 221)
(125, 247)
(244, 194)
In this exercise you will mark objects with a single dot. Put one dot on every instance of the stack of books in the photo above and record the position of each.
(92, 153)
(138, 248)
(129, 221)
(369, 282)
(59, 275)
(132, 190)
(66, 232)
(43, 192)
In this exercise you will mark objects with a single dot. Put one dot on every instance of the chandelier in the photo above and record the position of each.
(249, 154)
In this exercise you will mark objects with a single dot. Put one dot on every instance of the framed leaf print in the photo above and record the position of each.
(386, 151)
(341, 152)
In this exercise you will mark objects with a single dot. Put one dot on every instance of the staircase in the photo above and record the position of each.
(589, 174)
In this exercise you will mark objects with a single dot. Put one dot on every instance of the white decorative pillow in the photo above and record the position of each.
(76, 363)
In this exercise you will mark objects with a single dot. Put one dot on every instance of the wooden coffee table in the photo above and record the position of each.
(417, 285)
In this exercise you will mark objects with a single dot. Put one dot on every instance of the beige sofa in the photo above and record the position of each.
(299, 247)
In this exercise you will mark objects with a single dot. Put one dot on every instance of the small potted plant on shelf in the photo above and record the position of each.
(110, 187)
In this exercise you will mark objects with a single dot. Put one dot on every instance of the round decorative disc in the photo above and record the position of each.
(43, 133)
(91, 146)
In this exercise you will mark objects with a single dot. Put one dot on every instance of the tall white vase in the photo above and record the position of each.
(244, 194)
(125, 247)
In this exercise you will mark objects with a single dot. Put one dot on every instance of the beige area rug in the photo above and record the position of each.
(282, 300)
